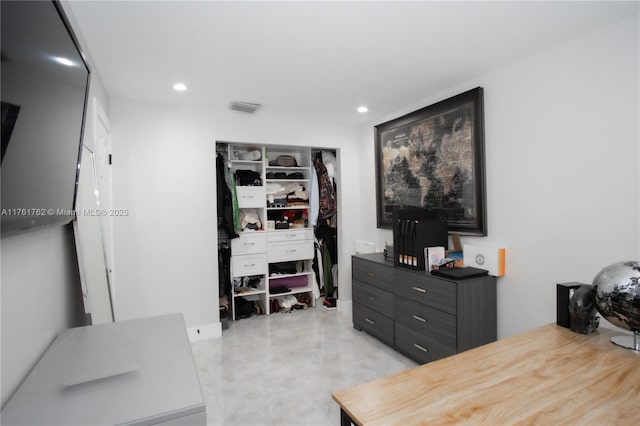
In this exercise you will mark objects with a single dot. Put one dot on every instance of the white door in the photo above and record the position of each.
(90, 244)
(103, 160)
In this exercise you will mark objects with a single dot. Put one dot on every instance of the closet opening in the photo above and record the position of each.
(277, 224)
(325, 225)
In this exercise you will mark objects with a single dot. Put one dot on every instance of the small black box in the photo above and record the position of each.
(564, 291)
(414, 229)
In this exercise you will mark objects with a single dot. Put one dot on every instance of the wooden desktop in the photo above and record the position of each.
(549, 375)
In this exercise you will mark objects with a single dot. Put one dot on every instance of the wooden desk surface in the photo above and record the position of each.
(547, 376)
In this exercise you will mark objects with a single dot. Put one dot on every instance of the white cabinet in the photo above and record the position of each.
(290, 235)
(242, 266)
(289, 251)
(281, 203)
(250, 196)
(289, 245)
(249, 243)
(135, 372)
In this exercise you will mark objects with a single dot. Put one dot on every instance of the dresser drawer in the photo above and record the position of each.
(249, 243)
(288, 251)
(242, 266)
(373, 323)
(419, 346)
(422, 288)
(372, 273)
(426, 320)
(251, 196)
(290, 235)
(373, 298)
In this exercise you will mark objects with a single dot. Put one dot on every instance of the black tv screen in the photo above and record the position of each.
(45, 83)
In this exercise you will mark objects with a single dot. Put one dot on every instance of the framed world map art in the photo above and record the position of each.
(434, 158)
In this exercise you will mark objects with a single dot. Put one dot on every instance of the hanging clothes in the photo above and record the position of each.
(317, 265)
(329, 235)
(225, 199)
(314, 199)
(327, 265)
(224, 269)
(328, 204)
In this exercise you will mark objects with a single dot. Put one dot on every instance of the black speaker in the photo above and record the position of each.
(564, 291)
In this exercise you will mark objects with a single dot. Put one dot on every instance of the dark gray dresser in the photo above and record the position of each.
(423, 316)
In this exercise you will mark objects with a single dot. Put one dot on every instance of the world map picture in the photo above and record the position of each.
(433, 162)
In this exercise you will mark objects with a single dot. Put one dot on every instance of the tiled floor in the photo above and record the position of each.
(281, 369)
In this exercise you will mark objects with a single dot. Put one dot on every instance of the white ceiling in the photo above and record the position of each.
(323, 58)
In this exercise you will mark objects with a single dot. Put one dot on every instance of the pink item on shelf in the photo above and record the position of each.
(289, 282)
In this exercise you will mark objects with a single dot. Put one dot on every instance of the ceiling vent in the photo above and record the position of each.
(247, 107)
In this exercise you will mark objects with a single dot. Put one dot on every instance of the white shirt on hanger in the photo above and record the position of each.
(314, 199)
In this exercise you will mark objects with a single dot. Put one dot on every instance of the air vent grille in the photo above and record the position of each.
(247, 107)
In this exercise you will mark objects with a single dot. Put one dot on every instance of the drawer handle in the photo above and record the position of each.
(371, 298)
(371, 274)
(249, 244)
(370, 321)
(419, 289)
(292, 251)
(419, 318)
(422, 348)
(291, 235)
(247, 196)
(250, 265)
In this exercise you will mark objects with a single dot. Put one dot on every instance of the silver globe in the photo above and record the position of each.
(616, 290)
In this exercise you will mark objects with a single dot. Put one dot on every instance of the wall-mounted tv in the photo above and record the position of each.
(45, 83)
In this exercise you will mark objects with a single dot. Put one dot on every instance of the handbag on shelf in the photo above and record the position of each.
(286, 161)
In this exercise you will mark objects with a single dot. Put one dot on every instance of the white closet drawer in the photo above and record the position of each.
(249, 243)
(290, 235)
(242, 266)
(251, 196)
(286, 251)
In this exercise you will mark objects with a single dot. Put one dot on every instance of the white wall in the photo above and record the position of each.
(563, 185)
(164, 173)
(40, 298)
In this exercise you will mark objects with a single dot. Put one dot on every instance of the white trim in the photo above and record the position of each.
(345, 307)
(204, 332)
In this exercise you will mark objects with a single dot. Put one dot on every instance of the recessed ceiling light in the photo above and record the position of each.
(362, 109)
(180, 87)
(64, 61)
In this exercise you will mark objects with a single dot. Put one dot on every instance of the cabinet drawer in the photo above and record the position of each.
(422, 288)
(242, 266)
(287, 251)
(251, 196)
(372, 273)
(419, 346)
(373, 298)
(249, 243)
(373, 323)
(290, 235)
(426, 320)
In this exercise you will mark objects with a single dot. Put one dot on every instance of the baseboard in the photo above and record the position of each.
(203, 332)
(345, 307)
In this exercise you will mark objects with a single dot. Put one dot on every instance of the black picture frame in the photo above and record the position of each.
(434, 158)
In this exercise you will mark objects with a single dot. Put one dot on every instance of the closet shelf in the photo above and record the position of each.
(302, 206)
(287, 180)
(249, 292)
(294, 290)
(258, 162)
(287, 168)
(299, 274)
(275, 231)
